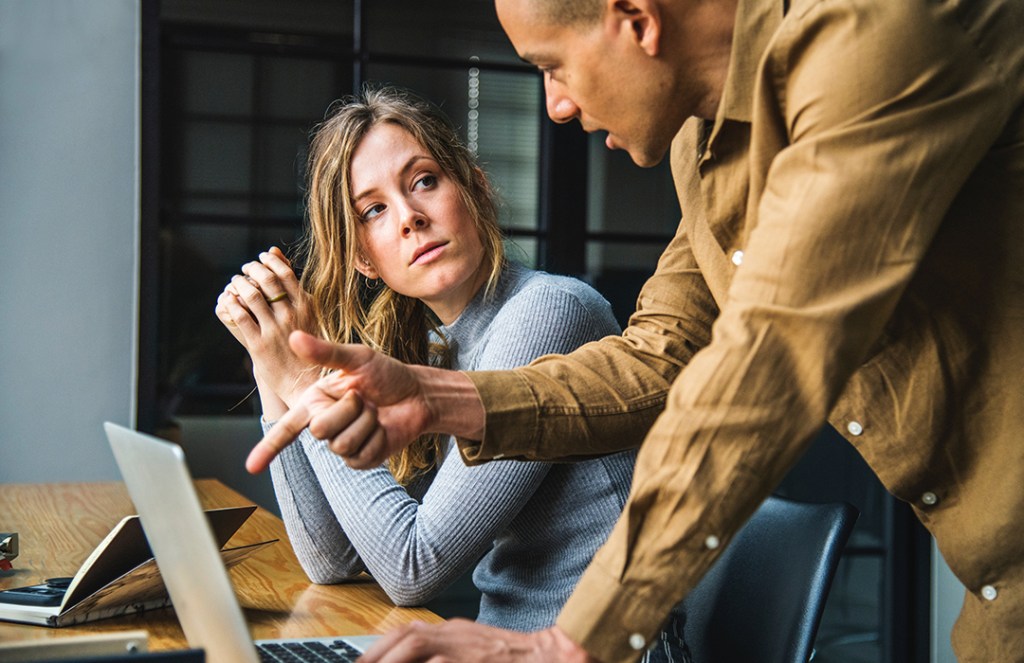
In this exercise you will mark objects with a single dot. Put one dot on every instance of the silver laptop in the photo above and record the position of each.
(161, 487)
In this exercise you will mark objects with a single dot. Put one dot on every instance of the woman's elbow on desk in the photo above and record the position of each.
(327, 572)
(320, 578)
(409, 592)
(410, 597)
(402, 596)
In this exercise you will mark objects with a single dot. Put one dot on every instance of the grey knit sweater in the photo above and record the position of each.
(530, 528)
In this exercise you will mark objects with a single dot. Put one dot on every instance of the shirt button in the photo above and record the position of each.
(711, 542)
(930, 498)
(989, 592)
(637, 641)
(855, 428)
(737, 257)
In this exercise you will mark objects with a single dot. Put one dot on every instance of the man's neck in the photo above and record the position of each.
(718, 24)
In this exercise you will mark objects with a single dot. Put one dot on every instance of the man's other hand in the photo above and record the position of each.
(462, 641)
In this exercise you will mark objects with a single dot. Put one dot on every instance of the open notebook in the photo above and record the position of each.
(161, 487)
(119, 577)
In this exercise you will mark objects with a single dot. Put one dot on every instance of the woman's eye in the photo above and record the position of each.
(372, 212)
(425, 182)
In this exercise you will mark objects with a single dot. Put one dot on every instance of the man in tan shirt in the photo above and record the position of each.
(851, 177)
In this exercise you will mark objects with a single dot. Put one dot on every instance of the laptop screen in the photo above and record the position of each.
(161, 488)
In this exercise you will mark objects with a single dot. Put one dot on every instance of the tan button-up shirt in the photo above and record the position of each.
(851, 249)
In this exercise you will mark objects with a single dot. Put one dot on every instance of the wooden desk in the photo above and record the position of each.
(60, 524)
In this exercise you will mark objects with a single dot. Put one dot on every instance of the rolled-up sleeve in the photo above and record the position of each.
(560, 407)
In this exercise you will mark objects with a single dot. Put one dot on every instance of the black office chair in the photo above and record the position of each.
(762, 600)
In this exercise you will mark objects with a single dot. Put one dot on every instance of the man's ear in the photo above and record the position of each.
(642, 18)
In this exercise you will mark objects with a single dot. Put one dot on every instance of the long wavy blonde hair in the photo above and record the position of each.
(347, 308)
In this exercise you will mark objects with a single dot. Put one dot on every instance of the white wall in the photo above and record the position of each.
(68, 234)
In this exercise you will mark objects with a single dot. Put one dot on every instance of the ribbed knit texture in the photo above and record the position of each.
(530, 528)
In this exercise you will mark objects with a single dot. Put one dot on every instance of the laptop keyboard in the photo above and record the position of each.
(294, 652)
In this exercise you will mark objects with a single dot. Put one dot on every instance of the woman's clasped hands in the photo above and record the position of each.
(261, 306)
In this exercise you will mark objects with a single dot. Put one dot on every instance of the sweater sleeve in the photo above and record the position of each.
(345, 520)
(309, 518)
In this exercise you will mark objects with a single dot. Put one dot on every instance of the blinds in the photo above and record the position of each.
(508, 139)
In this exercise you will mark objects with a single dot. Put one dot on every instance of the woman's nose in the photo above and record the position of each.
(412, 220)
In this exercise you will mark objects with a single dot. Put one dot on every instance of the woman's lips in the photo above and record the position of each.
(428, 252)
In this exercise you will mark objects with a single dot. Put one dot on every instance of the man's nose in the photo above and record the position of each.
(560, 107)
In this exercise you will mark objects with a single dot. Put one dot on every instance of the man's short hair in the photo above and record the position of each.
(570, 12)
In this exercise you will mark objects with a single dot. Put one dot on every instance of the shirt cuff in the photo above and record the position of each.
(612, 622)
(512, 413)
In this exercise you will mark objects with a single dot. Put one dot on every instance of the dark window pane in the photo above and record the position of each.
(615, 257)
(625, 198)
(216, 206)
(301, 88)
(448, 88)
(270, 17)
(203, 370)
(281, 164)
(523, 250)
(618, 271)
(217, 83)
(459, 29)
(216, 157)
(850, 629)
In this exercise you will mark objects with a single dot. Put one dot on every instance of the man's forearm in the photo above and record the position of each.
(453, 404)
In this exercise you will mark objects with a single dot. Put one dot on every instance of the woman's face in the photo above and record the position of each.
(415, 232)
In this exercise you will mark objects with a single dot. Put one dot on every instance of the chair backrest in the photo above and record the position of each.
(763, 598)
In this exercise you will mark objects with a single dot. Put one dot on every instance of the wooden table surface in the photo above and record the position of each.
(60, 524)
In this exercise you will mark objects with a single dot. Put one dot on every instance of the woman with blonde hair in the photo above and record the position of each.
(404, 254)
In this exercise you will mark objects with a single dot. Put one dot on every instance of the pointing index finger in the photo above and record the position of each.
(346, 357)
(284, 432)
